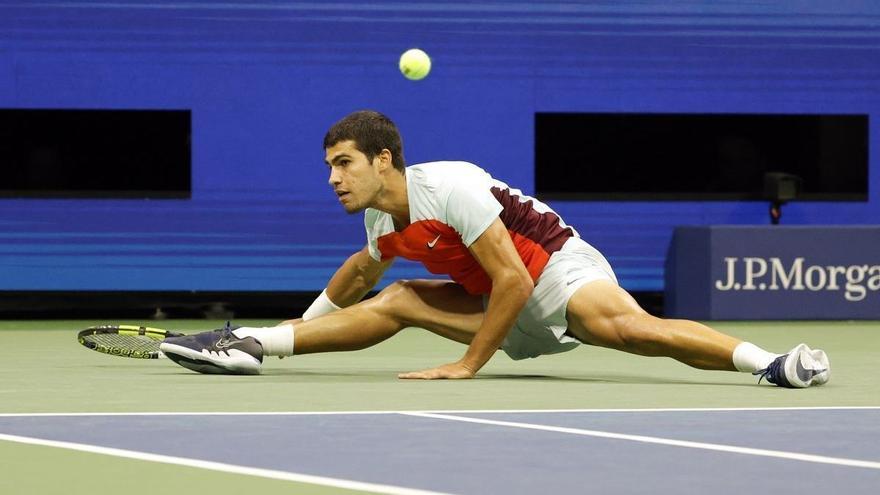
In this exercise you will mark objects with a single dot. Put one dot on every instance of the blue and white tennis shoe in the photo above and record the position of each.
(800, 368)
(216, 352)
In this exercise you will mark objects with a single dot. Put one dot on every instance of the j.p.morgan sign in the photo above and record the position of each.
(852, 282)
(774, 272)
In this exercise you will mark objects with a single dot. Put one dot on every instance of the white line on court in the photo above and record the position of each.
(461, 411)
(222, 467)
(661, 441)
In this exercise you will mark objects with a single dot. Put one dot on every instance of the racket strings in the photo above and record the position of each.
(124, 345)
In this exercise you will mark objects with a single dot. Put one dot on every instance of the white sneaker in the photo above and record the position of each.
(800, 368)
(215, 352)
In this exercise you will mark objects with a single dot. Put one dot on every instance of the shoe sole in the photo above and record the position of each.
(820, 357)
(238, 362)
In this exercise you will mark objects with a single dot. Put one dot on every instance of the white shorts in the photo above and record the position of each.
(541, 325)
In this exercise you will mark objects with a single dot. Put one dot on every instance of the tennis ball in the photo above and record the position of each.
(415, 64)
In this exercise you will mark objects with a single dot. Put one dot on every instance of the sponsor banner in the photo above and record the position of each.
(774, 272)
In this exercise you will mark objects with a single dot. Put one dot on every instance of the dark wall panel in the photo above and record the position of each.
(264, 80)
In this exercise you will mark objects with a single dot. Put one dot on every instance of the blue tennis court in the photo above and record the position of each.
(728, 451)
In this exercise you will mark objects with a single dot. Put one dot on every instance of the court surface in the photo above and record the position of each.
(591, 420)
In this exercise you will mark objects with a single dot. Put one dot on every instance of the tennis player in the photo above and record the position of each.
(521, 279)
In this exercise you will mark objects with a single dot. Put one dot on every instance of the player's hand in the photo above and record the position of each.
(452, 371)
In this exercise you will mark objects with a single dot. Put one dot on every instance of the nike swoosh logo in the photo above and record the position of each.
(432, 243)
(804, 374)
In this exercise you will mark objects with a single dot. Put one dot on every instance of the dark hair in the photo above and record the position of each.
(371, 132)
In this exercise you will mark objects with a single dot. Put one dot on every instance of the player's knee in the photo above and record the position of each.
(396, 297)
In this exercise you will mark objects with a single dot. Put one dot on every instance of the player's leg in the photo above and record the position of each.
(602, 313)
(439, 306)
(442, 307)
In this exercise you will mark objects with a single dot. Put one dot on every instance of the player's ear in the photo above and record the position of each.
(384, 157)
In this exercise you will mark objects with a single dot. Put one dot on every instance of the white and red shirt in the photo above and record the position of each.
(450, 205)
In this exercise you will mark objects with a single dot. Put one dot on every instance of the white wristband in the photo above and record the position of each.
(320, 306)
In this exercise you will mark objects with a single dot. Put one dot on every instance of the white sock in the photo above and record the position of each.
(749, 358)
(277, 341)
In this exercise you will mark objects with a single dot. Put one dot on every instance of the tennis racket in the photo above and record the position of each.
(125, 340)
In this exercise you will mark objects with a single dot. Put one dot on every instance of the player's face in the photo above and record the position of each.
(354, 178)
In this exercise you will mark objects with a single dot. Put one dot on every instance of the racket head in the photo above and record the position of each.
(125, 340)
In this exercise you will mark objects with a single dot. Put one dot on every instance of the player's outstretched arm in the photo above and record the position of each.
(351, 282)
(355, 278)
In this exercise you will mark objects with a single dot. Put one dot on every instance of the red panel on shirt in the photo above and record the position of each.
(439, 247)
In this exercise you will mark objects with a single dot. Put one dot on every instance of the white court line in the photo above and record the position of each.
(661, 441)
(223, 467)
(461, 411)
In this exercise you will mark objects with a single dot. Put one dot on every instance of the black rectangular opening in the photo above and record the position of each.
(627, 156)
(48, 153)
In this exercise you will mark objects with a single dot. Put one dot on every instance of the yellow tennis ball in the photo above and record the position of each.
(415, 64)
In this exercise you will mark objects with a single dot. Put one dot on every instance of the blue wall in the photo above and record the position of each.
(264, 80)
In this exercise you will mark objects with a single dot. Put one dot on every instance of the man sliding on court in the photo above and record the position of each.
(522, 280)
